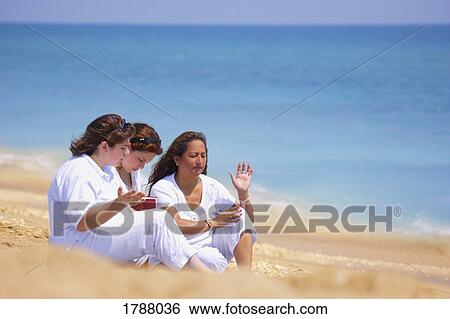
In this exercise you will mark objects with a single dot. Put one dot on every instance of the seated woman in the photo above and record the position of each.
(203, 208)
(144, 146)
(83, 196)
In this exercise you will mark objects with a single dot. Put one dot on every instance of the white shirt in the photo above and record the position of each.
(78, 184)
(137, 182)
(215, 198)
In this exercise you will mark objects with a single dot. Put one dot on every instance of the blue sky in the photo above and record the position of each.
(227, 11)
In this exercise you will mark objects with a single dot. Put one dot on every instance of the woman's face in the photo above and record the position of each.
(193, 161)
(136, 160)
(114, 155)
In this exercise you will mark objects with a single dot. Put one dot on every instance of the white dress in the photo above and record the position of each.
(78, 185)
(216, 247)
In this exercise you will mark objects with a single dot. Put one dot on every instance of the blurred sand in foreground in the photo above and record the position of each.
(310, 265)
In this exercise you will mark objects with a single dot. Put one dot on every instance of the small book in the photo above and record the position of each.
(148, 203)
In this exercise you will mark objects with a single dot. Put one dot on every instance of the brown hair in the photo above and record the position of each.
(109, 127)
(146, 139)
(166, 164)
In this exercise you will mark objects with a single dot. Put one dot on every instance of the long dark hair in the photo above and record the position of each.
(111, 128)
(166, 165)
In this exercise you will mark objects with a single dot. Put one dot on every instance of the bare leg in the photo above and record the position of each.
(243, 251)
(195, 263)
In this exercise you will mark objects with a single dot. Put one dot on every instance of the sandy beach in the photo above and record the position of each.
(284, 266)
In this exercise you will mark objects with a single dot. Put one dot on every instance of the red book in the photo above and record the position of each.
(148, 203)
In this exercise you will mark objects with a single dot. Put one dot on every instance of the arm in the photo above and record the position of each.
(100, 214)
(167, 198)
(189, 227)
(244, 200)
(164, 191)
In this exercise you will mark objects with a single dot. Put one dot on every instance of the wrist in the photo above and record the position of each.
(209, 222)
(213, 224)
(243, 195)
(119, 204)
(243, 203)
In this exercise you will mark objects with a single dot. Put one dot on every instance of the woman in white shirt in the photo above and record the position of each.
(83, 196)
(203, 208)
(144, 146)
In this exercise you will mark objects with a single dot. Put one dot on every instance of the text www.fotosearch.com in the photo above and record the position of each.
(239, 309)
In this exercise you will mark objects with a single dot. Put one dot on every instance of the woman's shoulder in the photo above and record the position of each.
(75, 166)
(72, 172)
(167, 181)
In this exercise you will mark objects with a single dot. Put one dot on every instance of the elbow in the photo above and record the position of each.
(81, 226)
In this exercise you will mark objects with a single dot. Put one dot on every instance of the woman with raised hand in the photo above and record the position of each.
(83, 196)
(203, 208)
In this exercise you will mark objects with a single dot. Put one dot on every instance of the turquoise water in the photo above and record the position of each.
(380, 136)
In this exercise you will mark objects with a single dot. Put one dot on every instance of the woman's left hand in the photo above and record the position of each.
(241, 181)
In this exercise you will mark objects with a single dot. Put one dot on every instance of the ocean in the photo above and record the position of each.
(378, 136)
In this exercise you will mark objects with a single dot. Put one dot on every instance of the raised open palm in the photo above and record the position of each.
(241, 181)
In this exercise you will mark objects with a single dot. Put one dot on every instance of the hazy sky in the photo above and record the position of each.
(227, 11)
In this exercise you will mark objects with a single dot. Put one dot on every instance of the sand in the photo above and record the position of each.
(284, 266)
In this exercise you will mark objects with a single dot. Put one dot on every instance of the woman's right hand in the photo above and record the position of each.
(227, 217)
(131, 198)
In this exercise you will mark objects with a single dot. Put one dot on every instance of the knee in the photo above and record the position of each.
(213, 259)
(248, 236)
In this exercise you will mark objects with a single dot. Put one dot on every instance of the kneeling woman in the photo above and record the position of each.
(83, 196)
(203, 208)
